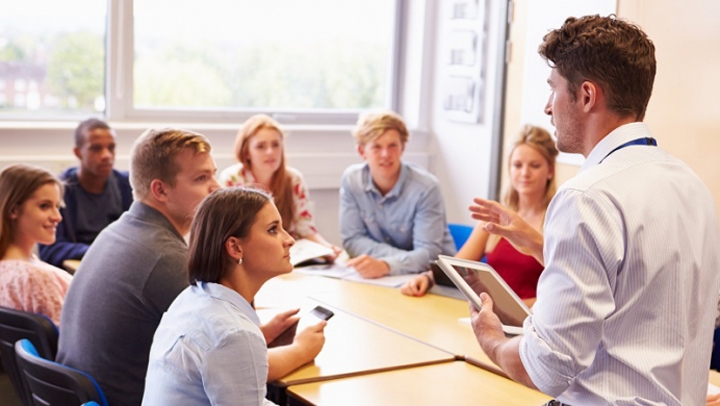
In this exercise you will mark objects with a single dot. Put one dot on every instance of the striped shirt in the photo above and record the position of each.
(627, 302)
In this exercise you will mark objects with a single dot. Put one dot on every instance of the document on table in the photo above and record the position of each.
(305, 250)
(336, 270)
(340, 271)
(712, 389)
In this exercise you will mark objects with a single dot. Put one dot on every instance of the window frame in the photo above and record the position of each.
(119, 81)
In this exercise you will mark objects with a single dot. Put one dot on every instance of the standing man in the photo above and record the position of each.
(95, 193)
(392, 215)
(627, 302)
(138, 266)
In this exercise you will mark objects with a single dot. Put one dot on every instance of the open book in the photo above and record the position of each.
(305, 250)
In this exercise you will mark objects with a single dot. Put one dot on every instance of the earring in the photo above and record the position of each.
(239, 261)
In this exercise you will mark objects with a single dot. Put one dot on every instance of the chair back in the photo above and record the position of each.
(460, 233)
(55, 384)
(18, 324)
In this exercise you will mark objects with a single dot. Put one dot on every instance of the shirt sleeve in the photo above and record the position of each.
(428, 226)
(235, 371)
(38, 290)
(583, 252)
(302, 207)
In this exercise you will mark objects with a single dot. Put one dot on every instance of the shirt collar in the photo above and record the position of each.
(369, 185)
(221, 292)
(619, 136)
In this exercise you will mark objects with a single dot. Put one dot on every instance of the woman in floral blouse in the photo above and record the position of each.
(259, 148)
(29, 208)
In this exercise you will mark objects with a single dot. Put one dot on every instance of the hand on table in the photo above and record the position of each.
(369, 267)
(416, 286)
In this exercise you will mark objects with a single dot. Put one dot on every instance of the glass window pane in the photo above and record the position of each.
(52, 58)
(294, 54)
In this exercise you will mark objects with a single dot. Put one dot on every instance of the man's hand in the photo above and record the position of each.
(369, 267)
(503, 351)
(487, 327)
(416, 286)
(509, 225)
(272, 329)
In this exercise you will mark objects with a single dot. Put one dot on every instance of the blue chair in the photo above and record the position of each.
(16, 325)
(52, 383)
(460, 233)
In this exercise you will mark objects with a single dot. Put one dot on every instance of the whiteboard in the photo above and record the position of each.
(543, 16)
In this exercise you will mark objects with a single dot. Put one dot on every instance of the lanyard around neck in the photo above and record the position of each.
(639, 141)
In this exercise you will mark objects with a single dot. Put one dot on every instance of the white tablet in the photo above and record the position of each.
(473, 277)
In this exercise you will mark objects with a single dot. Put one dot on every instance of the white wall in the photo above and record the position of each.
(462, 153)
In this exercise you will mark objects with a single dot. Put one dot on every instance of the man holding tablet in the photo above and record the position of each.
(628, 299)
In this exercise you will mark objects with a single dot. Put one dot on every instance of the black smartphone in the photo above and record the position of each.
(312, 317)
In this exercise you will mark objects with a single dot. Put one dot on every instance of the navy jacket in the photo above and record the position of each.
(66, 245)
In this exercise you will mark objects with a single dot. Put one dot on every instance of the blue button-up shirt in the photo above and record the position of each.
(406, 228)
(208, 350)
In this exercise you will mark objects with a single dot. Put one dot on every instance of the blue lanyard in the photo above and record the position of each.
(640, 141)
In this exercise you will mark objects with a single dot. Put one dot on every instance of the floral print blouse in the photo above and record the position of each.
(33, 286)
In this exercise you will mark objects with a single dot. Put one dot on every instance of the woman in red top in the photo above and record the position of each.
(532, 177)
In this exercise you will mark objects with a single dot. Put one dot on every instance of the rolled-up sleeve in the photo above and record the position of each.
(583, 251)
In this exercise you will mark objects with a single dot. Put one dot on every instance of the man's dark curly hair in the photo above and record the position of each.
(614, 54)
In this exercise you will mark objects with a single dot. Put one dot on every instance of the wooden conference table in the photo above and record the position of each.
(386, 348)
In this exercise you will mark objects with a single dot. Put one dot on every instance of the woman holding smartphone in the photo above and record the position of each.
(260, 150)
(532, 179)
(30, 200)
(208, 348)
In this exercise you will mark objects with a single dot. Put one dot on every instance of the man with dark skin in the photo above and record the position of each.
(95, 193)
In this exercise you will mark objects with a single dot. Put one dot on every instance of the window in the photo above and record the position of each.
(52, 58)
(276, 54)
(197, 61)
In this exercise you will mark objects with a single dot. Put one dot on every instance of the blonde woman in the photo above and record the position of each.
(532, 181)
(260, 151)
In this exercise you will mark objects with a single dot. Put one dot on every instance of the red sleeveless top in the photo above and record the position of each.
(521, 272)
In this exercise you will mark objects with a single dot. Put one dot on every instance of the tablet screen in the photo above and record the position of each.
(506, 305)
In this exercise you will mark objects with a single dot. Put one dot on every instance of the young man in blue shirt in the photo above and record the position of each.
(95, 193)
(392, 215)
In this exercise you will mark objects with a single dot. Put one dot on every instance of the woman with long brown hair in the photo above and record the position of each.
(260, 151)
(30, 200)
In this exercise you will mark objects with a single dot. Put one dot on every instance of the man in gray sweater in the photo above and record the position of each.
(138, 265)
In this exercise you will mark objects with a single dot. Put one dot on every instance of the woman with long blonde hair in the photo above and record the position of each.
(532, 186)
(30, 200)
(260, 151)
